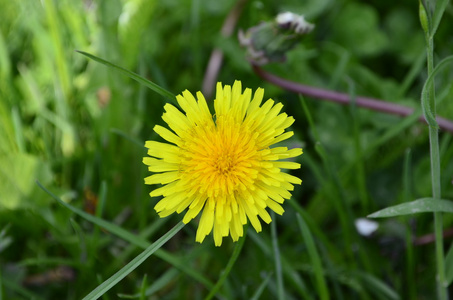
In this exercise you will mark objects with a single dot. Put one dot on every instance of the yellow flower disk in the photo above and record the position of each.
(222, 165)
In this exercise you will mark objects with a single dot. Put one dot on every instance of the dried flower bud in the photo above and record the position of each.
(269, 41)
(294, 22)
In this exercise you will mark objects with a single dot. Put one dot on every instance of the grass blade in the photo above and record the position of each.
(377, 286)
(143, 288)
(229, 266)
(277, 257)
(413, 207)
(441, 5)
(322, 289)
(260, 289)
(133, 239)
(158, 89)
(133, 264)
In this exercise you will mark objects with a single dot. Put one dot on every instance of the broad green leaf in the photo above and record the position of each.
(358, 30)
(158, 89)
(416, 206)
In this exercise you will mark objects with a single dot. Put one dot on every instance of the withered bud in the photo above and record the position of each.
(269, 41)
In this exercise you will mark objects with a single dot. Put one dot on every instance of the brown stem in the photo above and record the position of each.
(430, 238)
(216, 59)
(370, 103)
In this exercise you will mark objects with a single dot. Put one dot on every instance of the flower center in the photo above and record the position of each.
(219, 161)
(224, 163)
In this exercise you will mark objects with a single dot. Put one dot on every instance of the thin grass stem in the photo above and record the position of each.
(430, 102)
(278, 263)
(228, 268)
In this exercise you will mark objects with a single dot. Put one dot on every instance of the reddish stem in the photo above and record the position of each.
(370, 103)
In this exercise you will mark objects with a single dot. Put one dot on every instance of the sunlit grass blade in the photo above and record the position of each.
(133, 264)
(413, 207)
(229, 266)
(158, 89)
(322, 290)
(133, 239)
(18, 129)
(56, 33)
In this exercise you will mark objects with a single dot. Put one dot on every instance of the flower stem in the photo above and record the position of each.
(429, 105)
(435, 178)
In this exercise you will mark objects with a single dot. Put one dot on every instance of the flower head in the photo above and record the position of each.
(222, 165)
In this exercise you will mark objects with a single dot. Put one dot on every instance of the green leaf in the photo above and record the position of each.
(441, 5)
(133, 264)
(427, 112)
(416, 206)
(358, 30)
(158, 89)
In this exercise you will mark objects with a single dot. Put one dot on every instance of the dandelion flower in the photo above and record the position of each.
(222, 165)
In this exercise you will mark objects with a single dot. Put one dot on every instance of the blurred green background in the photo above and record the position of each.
(79, 128)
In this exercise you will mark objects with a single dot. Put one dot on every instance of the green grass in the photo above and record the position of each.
(77, 127)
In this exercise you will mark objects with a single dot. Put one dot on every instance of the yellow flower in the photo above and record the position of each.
(222, 165)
